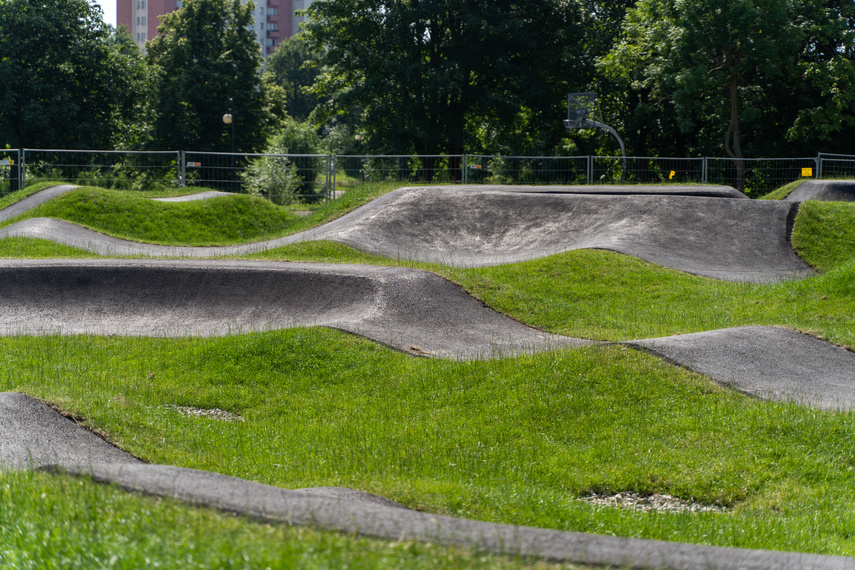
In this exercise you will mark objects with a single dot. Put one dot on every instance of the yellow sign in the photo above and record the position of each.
(672, 175)
(808, 172)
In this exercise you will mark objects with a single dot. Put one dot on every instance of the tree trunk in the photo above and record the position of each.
(735, 151)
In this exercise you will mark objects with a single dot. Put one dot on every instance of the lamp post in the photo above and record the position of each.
(228, 119)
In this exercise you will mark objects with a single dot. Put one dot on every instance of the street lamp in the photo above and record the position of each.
(228, 119)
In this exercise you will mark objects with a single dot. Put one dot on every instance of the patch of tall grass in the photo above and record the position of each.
(515, 440)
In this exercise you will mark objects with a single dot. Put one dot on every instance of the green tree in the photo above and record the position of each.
(290, 68)
(66, 79)
(712, 59)
(208, 62)
(430, 74)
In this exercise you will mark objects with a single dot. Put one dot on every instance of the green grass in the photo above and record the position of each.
(783, 191)
(514, 440)
(9, 199)
(824, 233)
(57, 522)
(221, 221)
(29, 248)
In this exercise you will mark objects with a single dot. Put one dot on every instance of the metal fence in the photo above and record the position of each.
(835, 166)
(278, 177)
(439, 168)
(281, 178)
(107, 168)
(10, 171)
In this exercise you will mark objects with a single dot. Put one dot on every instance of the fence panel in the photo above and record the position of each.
(762, 175)
(125, 170)
(10, 171)
(836, 165)
(280, 178)
(646, 170)
(439, 168)
(544, 170)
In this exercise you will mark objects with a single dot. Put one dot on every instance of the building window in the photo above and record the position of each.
(143, 21)
(272, 11)
(272, 26)
(271, 42)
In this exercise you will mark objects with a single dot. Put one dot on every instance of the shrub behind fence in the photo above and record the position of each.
(281, 178)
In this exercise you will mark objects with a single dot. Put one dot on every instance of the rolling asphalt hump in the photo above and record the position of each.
(705, 231)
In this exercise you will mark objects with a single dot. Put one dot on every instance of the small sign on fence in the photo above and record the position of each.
(6, 162)
(194, 165)
(807, 172)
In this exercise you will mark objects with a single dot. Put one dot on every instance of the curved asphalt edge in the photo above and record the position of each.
(825, 190)
(411, 310)
(34, 200)
(33, 436)
(207, 195)
(732, 239)
(770, 363)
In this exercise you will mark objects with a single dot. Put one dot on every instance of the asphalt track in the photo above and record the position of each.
(825, 190)
(719, 237)
(33, 436)
(421, 313)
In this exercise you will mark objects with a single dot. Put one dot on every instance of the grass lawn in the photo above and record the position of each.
(519, 440)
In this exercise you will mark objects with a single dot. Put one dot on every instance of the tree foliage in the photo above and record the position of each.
(208, 63)
(429, 74)
(66, 79)
(290, 68)
(735, 75)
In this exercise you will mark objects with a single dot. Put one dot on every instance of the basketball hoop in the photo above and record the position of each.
(583, 113)
(581, 110)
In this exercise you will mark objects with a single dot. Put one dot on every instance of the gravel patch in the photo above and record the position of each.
(651, 503)
(213, 413)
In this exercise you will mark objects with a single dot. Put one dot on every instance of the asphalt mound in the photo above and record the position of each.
(771, 363)
(207, 195)
(825, 190)
(697, 190)
(32, 435)
(412, 310)
(34, 200)
(732, 239)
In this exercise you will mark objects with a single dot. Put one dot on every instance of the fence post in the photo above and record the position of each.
(15, 173)
(589, 175)
(182, 169)
(22, 168)
(331, 166)
(464, 176)
(819, 166)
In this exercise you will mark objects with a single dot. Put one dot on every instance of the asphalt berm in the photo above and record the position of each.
(824, 190)
(724, 238)
(420, 313)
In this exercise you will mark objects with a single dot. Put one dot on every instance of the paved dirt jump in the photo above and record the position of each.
(33, 436)
(721, 237)
(713, 232)
(410, 310)
(824, 190)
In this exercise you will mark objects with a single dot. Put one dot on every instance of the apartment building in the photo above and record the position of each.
(275, 20)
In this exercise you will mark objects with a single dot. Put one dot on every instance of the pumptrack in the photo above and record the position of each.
(708, 231)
